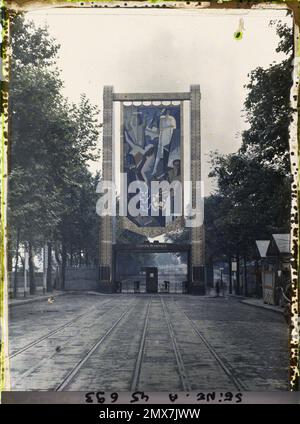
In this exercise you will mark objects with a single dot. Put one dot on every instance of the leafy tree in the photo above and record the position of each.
(52, 143)
(268, 110)
(34, 88)
(253, 196)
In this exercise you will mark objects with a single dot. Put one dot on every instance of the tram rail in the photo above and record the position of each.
(226, 368)
(179, 361)
(140, 356)
(56, 330)
(75, 370)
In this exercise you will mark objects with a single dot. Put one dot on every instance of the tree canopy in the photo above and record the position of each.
(253, 197)
(51, 190)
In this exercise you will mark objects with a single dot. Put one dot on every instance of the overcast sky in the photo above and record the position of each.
(167, 50)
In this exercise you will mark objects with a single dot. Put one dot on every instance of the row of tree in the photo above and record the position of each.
(51, 191)
(253, 197)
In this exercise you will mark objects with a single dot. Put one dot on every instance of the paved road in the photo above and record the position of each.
(154, 343)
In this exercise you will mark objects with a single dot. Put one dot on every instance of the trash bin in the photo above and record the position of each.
(136, 287)
(167, 286)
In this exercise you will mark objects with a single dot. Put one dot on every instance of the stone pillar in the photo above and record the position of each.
(106, 224)
(197, 284)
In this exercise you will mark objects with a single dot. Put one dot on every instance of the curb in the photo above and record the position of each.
(55, 294)
(236, 296)
(268, 308)
(37, 299)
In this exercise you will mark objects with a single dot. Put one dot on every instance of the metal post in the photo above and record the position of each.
(230, 276)
(221, 269)
(221, 281)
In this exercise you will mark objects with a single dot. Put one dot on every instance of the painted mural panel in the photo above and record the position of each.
(151, 150)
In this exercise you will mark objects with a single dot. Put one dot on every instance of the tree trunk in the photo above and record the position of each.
(230, 274)
(245, 277)
(49, 269)
(58, 278)
(32, 285)
(258, 279)
(56, 254)
(22, 261)
(15, 287)
(63, 265)
(237, 274)
(71, 256)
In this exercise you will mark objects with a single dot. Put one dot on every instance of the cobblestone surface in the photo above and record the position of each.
(179, 342)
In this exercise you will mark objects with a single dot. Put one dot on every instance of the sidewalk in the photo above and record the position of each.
(33, 298)
(260, 304)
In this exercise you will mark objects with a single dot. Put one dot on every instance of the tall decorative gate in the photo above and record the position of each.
(151, 148)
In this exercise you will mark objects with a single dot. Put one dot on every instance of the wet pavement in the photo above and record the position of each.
(155, 343)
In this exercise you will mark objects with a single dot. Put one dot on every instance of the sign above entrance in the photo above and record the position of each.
(153, 247)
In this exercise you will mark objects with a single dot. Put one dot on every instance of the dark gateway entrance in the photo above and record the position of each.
(147, 280)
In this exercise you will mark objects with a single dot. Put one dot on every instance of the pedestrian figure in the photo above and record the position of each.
(218, 288)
